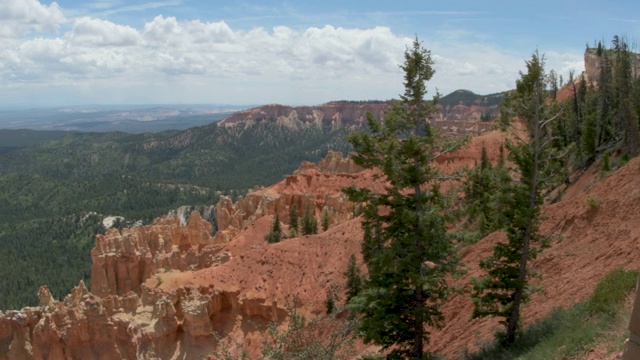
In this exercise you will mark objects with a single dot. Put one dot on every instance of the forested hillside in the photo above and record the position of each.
(51, 192)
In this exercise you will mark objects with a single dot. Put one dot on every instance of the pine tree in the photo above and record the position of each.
(326, 219)
(275, 232)
(623, 85)
(354, 278)
(406, 248)
(483, 201)
(309, 222)
(330, 303)
(505, 287)
(293, 221)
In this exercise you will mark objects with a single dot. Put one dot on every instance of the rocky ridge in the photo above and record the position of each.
(453, 116)
(314, 187)
(123, 318)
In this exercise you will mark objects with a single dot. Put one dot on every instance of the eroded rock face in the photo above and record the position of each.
(317, 187)
(593, 65)
(153, 325)
(123, 261)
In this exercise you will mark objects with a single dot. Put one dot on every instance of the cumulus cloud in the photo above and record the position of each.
(96, 32)
(172, 60)
(20, 17)
(168, 47)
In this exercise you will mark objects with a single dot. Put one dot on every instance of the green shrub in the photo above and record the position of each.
(593, 202)
(610, 292)
(568, 333)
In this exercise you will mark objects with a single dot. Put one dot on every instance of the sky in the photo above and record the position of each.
(76, 52)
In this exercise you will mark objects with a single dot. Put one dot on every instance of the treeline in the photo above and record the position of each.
(53, 252)
(602, 116)
(407, 247)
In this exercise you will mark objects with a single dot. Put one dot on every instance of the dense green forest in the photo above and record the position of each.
(55, 191)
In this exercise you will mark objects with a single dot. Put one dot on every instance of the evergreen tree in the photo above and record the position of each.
(326, 219)
(590, 125)
(484, 201)
(293, 221)
(309, 222)
(275, 233)
(506, 285)
(627, 119)
(330, 303)
(354, 278)
(407, 248)
(293, 216)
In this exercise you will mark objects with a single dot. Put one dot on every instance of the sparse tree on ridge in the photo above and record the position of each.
(275, 233)
(483, 200)
(407, 248)
(309, 222)
(293, 221)
(326, 219)
(505, 287)
(354, 278)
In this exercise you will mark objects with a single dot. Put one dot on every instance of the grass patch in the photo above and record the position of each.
(570, 332)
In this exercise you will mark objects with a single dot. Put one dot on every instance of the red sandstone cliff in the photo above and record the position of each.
(354, 114)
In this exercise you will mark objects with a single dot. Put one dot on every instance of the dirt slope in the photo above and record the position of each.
(595, 241)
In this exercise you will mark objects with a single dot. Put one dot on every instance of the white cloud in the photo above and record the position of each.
(20, 17)
(171, 60)
(96, 32)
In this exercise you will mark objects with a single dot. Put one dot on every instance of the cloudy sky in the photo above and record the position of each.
(74, 52)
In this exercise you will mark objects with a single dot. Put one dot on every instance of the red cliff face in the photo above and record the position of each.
(337, 114)
(123, 261)
(160, 291)
(353, 114)
(316, 187)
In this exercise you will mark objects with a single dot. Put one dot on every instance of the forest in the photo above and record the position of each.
(56, 187)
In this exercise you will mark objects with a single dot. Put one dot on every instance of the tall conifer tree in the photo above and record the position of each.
(407, 249)
(506, 285)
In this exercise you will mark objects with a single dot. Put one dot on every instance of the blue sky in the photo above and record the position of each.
(248, 52)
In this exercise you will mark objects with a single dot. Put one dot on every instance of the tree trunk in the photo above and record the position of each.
(514, 317)
(418, 346)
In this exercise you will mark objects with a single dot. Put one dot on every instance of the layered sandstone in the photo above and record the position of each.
(163, 290)
(315, 187)
(123, 261)
(353, 114)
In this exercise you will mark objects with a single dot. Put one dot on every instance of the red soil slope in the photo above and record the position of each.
(595, 241)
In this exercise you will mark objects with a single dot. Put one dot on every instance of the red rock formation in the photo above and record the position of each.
(336, 113)
(123, 261)
(345, 114)
(318, 187)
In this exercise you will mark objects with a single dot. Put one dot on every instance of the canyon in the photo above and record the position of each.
(162, 290)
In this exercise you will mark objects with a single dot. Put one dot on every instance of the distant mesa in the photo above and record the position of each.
(461, 105)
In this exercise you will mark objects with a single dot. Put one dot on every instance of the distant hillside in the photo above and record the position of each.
(468, 106)
(336, 114)
(11, 140)
(132, 119)
(469, 98)
(59, 180)
(49, 190)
